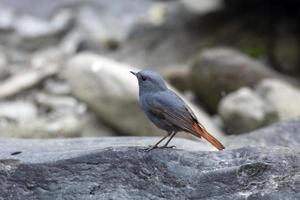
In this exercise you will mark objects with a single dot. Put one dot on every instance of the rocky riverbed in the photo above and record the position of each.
(63, 67)
(64, 73)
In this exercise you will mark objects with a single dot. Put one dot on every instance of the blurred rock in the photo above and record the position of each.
(26, 79)
(286, 54)
(283, 97)
(3, 65)
(42, 127)
(115, 168)
(57, 87)
(6, 19)
(178, 77)
(53, 125)
(33, 33)
(281, 134)
(93, 127)
(18, 110)
(104, 25)
(71, 43)
(52, 117)
(59, 103)
(46, 57)
(99, 30)
(218, 71)
(244, 111)
(168, 36)
(202, 6)
(110, 90)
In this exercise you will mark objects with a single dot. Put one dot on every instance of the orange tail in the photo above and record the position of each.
(211, 139)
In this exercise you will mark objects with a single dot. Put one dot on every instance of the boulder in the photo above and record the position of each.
(202, 7)
(282, 96)
(178, 77)
(32, 33)
(119, 169)
(52, 117)
(18, 110)
(218, 71)
(111, 91)
(243, 111)
(283, 134)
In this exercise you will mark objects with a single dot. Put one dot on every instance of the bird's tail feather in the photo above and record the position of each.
(204, 133)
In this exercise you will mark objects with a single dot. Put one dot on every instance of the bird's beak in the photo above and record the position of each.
(133, 73)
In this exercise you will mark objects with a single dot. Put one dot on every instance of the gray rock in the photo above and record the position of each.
(110, 90)
(284, 134)
(218, 71)
(282, 96)
(178, 77)
(70, 44)
(59, 103)
(57, 87)
(33, 33)
(18, 110)
(202, 7)
(52, 126)
(6, 19)
(3, 65)
(85, 169)
(53, 117)
(167, 36)
(104, 25)
(243, 111)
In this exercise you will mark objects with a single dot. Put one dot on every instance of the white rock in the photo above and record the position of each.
(284, 97)
(7, 18)
(18, 110)
(243, 111)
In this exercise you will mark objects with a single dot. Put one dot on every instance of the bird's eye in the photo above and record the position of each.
(144, 78)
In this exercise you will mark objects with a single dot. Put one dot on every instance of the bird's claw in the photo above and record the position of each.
(157, 147)
(150, 148)
(168, 147)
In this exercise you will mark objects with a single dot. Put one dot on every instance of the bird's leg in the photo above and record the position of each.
(156, 145)
(166, 144)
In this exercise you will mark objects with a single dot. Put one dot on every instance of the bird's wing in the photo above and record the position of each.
(170, 107)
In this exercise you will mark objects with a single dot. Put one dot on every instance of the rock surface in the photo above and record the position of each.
(118, 169)
(243, 111)
(284, 134)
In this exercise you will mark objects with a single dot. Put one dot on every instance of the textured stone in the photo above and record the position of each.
(90, 169)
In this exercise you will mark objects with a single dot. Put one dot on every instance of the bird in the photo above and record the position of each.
(165, 109)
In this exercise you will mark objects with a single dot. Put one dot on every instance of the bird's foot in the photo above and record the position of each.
(151, 148)
(167, 147)
(157, 147)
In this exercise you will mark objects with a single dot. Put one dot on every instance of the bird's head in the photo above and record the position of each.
(150, 81)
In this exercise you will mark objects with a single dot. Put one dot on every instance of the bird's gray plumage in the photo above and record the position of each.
(161, 105)
(167, 110)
